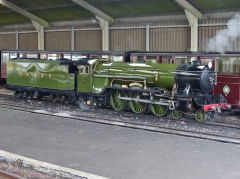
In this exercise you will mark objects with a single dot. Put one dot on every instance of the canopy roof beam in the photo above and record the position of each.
(94, 10)
(105, 33)
(40, 31)
(24, 13)
(190, 8)
(193, 21)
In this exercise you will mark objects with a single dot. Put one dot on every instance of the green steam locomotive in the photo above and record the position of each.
(140, 87)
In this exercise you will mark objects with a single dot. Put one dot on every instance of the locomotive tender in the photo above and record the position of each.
(138, 86)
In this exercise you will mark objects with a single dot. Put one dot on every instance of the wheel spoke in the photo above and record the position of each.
(176, 114)
(116, 103)
(200, 115)
(137, 107)
(157, 109)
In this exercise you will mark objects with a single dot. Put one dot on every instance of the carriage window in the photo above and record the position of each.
(43, 56)
(13, 55)
(32, 55)
(152, 57)
(5, 57)
(76, 57)
(167, 60)
(228, 65)
(182, 60)
(86, 70)
(68, 56)
(52, 56)
(205, 61)
(22, 55)
(138, 59)
(117, 58)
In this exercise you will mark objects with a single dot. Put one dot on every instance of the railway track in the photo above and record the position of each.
(155, 127)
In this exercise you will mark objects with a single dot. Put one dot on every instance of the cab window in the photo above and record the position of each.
(83, 69)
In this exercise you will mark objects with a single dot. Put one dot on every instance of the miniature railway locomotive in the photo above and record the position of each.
(138, 86)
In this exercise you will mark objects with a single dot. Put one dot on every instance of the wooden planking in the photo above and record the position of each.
(88, 40)
(8, 41)
(58, 40)
(208, 32)
(128, 39)
(28, 41)
(170, 39)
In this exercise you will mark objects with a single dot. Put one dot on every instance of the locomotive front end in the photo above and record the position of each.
(194, 84)
(195, 78)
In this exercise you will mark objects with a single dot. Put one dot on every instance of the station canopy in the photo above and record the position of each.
(67, 10)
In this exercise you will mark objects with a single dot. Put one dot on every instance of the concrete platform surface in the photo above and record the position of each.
(113, 151)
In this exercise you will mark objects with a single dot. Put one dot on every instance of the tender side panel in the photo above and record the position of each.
(229, 87)
(41, 74)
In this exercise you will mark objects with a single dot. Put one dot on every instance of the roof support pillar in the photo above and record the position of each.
(72, 39)
(147, 38)
(17, 44)
(193, 21)
(40, 31)
(105, 33)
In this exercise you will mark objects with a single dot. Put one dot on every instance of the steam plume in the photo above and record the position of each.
(224, 39)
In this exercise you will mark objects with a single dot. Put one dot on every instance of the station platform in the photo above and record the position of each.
(115, 152)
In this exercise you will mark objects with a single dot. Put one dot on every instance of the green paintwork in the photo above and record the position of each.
(84, 80)
(49, 10)
(121, 73)
(176, 114)
(65, 13)
(209, 5)
(29, 73)
(40, 3)
(12, 18)
(35, 73)
(137, 7)
(200, 116)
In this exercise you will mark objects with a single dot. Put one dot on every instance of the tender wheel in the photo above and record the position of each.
(137, 107)
(19, 95)
(37, 95)
(51, 97)
(176, 114)
(15, 93)
(200, 116)
(67, 99)
(25, 94)
(64, 99)
(30, 95)
(56, 99)
(116, 103)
